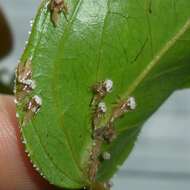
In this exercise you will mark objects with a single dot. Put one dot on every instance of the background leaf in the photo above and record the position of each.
(167, 74)
(186, 85)
(143, 46)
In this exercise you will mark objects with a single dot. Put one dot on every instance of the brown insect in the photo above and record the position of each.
(93, 170)
(56, 7)
(20, 95)
(98, 113)
(123, 107)
(32, 108)
(94, 161)
(95, 150)
(35, 104)
(100, 90)
(24, 71)
(25, 84)
(107, 133)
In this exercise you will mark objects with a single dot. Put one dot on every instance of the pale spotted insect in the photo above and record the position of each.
(33, 108)
(98, 113)
(100, 90)
(106, 134)
(123, 107)
(24, 80)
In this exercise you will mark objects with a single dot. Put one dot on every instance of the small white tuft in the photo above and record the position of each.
(17, 115)
(35, 104)
(38, 100)
(31, 22)
(131, 103)
(15, 101)
(30, 83)
(106, 155)
(41, 174)
(108, 85)
(102, 107)
(33, 85)
(26, 151)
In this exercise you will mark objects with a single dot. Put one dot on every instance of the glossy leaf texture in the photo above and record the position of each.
(141, 45)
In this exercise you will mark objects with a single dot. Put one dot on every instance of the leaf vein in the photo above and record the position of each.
(156, 59)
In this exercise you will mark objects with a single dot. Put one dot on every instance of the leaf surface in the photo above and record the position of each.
(142, 46)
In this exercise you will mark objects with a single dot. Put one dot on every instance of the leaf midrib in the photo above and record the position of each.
(157, 58)
(65, 35)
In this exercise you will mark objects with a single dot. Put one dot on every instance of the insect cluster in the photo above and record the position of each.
(102, 122)
(104, 133)
(25, 86)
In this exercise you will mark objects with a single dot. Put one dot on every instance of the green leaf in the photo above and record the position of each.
(186, 85)
(142, 46)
